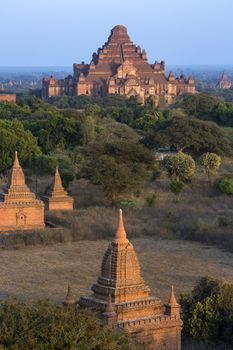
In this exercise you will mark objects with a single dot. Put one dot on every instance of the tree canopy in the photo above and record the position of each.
(45, 326)
(189, 135)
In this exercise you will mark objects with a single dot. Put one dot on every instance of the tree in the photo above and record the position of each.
(190, 135)
(210, 162)
(45, 326)
(207, 312)
(180, 167)
(118, 163)
(13, 137)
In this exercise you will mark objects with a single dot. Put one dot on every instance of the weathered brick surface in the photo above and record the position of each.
(8, 97)
(19, 208)
(124, 301)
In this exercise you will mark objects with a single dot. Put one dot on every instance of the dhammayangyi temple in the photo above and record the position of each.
(120, 67)
(125, 303)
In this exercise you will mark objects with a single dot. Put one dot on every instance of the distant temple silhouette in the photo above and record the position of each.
(122, 68)
(224, 82)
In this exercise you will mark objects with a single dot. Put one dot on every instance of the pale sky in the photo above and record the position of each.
(61, 32)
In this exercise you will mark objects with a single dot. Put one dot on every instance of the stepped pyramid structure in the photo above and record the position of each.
(124, 301)
(224, 83)
(120, 67)
(19, 208)
(58, 199)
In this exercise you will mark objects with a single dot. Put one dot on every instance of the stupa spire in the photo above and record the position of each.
(17, 177)
(70, 299)
(172, 299)
(121, 234)
(57, 181)
(16, 161)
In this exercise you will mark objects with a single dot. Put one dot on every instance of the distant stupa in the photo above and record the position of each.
(124, 301)
(224, 82)
(58, 199)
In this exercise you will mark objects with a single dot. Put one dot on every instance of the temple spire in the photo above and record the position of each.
(57, 181)
(121, 234)
(172, 300)
(16, 161)
(70, 299)
(17, 177)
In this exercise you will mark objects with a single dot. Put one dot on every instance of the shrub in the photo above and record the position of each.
(225, 184)
(176, 187)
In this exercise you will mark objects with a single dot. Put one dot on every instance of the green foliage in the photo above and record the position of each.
(152, 200)
(210, 162)
(117, 161)
(190, 135)
(208, 312)
(180, 167)
(207, 107)
(92, 109)
(176, 187)
(225, 184)
(13, 137)
(62, 132)
(78, 102)
(45, 326)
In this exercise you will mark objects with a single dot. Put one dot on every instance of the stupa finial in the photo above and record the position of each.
(121, 234)
(57, 181)
(172, 300)
(70, 299)
(16, 161)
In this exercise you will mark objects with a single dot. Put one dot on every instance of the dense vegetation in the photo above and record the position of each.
(208, 312)
(44, 326)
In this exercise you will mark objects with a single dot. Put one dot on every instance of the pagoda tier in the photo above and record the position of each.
(124, 301)
(19, 208)
(58, 199)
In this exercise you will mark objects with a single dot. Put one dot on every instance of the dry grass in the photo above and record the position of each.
(34, 273)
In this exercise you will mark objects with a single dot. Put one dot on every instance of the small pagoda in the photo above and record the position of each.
(57, 198)
(19, 208)
(124, 301)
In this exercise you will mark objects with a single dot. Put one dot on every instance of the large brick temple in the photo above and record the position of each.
(124, 301)
(19, 208)
(120, 67)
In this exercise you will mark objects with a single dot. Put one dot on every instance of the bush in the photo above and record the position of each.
(225, 184)
(176, 187)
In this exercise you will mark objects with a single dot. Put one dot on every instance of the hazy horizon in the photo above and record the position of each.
(57, 34)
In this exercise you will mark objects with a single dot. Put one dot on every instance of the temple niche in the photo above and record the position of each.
(19, 208)
(125, 303)
(120, 67)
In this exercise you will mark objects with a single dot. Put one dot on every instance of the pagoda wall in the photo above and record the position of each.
(65, 203)
(8, 97)
(21, 217)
